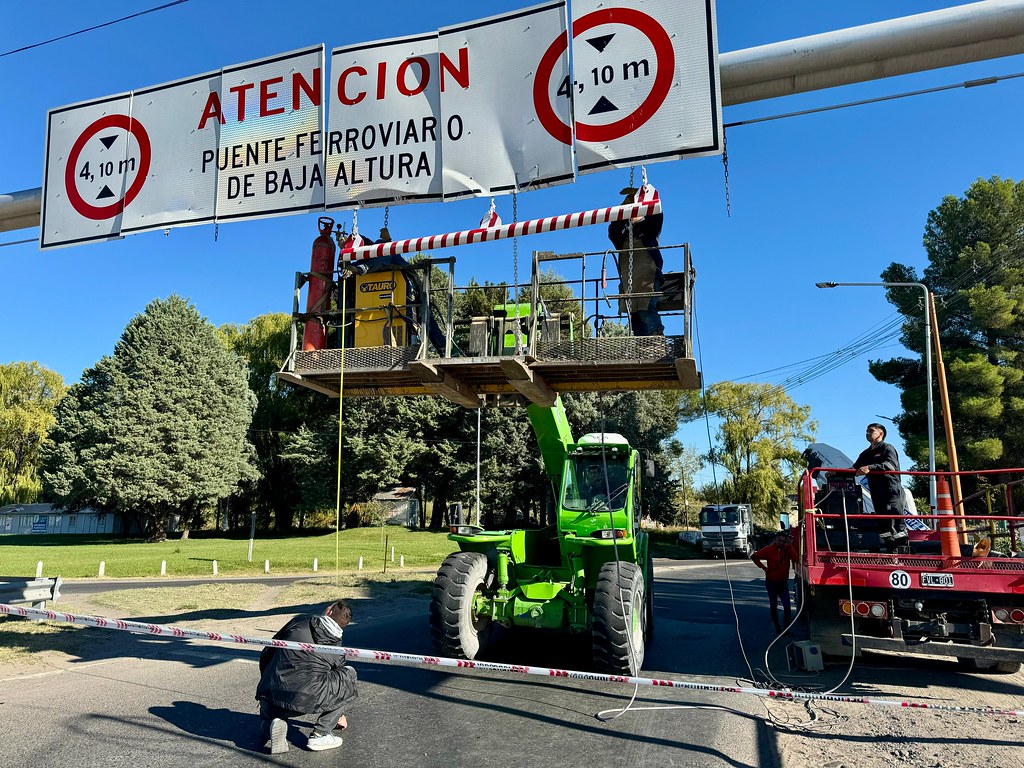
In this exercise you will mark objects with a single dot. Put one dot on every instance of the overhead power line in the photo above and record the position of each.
(90, 29)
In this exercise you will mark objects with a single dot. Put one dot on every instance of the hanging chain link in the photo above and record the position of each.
(515, 274)
(387, 211)
(629, 257)
(515, 252)
(725, 166)
(355, 222)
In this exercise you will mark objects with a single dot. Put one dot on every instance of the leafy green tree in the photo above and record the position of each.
(975, 271)
(281, 410)
(29, 393)
(760, 429)
(687, 462)
(158, 428)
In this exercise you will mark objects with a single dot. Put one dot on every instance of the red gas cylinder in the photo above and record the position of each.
(322, 263)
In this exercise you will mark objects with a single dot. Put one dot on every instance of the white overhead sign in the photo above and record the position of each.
(442, 115)
(646, 82)
(502, 104)
(241, 143)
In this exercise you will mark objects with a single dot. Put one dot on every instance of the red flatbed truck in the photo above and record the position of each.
(929, 597)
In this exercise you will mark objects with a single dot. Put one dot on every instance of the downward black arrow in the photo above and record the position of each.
(601, 42)
(603, 105)
(108, 141)
(104, 193)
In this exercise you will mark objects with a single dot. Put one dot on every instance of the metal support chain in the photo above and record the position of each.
(725, 167)
(629, 268)
(515, 275)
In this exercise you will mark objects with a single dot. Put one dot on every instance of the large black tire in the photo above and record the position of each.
(649, 601)
(457, 631)
(988, 667)
(620, 620)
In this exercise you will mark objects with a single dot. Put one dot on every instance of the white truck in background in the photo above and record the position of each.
(727, 529)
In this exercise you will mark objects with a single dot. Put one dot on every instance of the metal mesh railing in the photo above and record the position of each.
(642, 348)
(1013, 564)
(361, 358)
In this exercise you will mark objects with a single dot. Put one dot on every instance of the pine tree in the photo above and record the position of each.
(157, 428)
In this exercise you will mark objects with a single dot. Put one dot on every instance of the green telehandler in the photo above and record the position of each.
(589, 572)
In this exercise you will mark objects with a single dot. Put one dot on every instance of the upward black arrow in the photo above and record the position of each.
(104, 193)
(601, 42)
(603, 105)
(109, 140)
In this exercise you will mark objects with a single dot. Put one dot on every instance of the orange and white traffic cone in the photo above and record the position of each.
(948, 536)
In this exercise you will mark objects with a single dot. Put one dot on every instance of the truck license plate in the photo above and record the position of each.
(937, 580)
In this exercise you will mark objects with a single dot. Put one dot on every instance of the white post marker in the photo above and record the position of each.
(39, 569)
(360, 563)
(314, 565)
(214, 567)
(401, 561)
(392, 554)
(103, 566)
(266, 566)
(163, 567)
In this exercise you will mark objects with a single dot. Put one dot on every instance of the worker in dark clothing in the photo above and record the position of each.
(295, 683)
(776, 560)
(645, 274)
(886, 491)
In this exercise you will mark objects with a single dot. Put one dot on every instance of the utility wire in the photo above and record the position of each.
(90, 29)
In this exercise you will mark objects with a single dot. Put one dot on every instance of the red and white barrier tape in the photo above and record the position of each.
(440, 661)
(502, 232)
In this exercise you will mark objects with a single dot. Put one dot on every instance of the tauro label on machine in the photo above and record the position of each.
(377, 286)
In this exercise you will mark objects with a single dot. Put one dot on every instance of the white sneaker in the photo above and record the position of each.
(319, 742)
(278, 729)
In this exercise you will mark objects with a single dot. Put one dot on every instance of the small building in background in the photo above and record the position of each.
(403, 506)
(43, 518)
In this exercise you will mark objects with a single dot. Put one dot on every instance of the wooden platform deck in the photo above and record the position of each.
(613, 364)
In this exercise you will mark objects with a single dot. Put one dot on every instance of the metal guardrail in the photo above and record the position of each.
(15, 590)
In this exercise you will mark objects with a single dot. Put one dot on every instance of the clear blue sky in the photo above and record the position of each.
(833, 196)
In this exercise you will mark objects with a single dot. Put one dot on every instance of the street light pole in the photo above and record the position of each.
(927, 367)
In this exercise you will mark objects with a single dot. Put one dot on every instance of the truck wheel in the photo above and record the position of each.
(649, 601)
(619, 619)
(988, 667)
(455, 627)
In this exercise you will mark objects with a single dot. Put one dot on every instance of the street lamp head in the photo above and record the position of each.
(826, 285)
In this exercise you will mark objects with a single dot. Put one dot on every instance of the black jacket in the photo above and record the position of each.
(302, 681)
(886, 491)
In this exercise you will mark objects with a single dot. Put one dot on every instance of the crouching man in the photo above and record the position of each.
(296, 683)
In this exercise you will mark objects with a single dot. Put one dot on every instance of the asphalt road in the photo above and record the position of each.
(178, 703)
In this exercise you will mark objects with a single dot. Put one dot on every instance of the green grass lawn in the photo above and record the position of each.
(71, 556)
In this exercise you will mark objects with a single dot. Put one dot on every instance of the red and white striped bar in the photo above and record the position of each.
(504, 231)
(389, 657)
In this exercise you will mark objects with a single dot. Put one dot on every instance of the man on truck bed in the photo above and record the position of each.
(886, 491)
(775, 560)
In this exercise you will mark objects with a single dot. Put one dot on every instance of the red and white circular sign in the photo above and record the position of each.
(624, 64)
(107, 166)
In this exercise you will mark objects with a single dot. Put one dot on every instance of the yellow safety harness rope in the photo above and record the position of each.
(341, 409)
